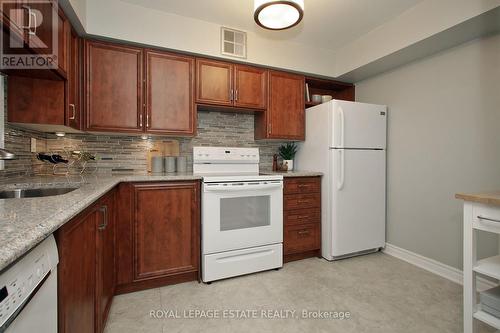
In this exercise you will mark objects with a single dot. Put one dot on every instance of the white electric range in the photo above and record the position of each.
(242, 213)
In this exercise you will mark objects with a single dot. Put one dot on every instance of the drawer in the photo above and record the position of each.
(301, 238)
(302, 185)
(302, 216)
(302, 201)
(240, 262)
(486, 217)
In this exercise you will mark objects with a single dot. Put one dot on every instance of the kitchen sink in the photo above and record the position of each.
(35, 192)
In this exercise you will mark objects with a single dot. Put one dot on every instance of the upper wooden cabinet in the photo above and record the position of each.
(113, 84)
(132, 90)
(250, 87)
(226, 84)
(170, 94)
(285, 117)
(214, 82)
(74, 86)
(37, 39)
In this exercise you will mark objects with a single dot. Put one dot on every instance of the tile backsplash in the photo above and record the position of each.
(128, 153)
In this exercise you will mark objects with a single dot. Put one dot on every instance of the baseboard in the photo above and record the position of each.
(434, 266)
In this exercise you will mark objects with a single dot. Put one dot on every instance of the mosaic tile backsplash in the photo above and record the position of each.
(128, 153)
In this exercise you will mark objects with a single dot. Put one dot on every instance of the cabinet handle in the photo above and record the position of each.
(236, 95)
(302, 201)
(300, 217)
(487, 219)
(147, 120)
(231, 94)
(303, 232)
(104, 211)
(140, 120)
(34, 19)
(303, 185)
(28, 27)
(73, 111)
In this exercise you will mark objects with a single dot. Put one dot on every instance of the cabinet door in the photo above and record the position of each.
(250, 87)
(74, 109)
(113, 82)
(105, 249)
(285, 114)
(166, 229)
(169, 93)
(76, 243)
(214, 81)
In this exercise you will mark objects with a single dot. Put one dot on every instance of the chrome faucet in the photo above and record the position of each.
(6, 155)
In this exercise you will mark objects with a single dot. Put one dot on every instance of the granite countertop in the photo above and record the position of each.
(26, 222)
(294, 173)
(492, 198)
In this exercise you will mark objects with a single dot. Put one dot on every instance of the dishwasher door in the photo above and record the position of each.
(40, 311)
(28, 291)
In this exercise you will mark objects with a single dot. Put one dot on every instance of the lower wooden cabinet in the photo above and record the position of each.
(159, 238)
(86, 280)
(302, 218)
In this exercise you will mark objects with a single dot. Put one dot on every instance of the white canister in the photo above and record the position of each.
(170, 164)
(181, 164)
(157, 164)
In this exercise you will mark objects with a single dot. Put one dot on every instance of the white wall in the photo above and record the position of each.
(80, 9)
(121, 20)
(422, 21)
(443, 138)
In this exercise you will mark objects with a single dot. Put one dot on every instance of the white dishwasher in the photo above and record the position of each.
(28, 291)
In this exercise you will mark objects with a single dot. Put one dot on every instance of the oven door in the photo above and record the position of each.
(240, 215)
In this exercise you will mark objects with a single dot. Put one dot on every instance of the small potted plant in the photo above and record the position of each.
(287, 153)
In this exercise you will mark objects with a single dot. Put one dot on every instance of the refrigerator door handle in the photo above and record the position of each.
(342, 126)
(340, 184)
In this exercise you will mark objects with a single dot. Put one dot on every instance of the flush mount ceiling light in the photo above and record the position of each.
(278, 14)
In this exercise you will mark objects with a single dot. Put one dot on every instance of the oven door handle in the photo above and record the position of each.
(237, 188)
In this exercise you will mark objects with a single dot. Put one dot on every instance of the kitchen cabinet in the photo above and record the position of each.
(214, 82)
(37, 38)
(113, 84)
(226, 84)
(86, 268)
(158, 234)
(105, 253)
(250, 87)
(284, 117)
(132, 90)
(74, 86)
(170, 94)
(301, 218)
(45, 104)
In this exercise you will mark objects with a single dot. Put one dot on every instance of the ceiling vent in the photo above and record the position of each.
(233, 43)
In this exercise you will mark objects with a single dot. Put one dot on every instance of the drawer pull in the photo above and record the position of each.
(300, 217)
(487, 219)
(303, 232)
(303, 185)
(303, 201)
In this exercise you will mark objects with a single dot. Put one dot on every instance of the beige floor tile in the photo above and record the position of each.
(382, 294)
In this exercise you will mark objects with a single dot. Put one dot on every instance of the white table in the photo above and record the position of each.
(481, 212)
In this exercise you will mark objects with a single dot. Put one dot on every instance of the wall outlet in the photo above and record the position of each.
(33, 145)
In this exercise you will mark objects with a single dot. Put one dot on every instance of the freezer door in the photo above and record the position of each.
(358, 125)
(358, 200)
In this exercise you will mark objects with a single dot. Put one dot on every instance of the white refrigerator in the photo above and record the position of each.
(347, 142)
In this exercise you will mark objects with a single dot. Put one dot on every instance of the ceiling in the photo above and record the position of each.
(327, 24)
